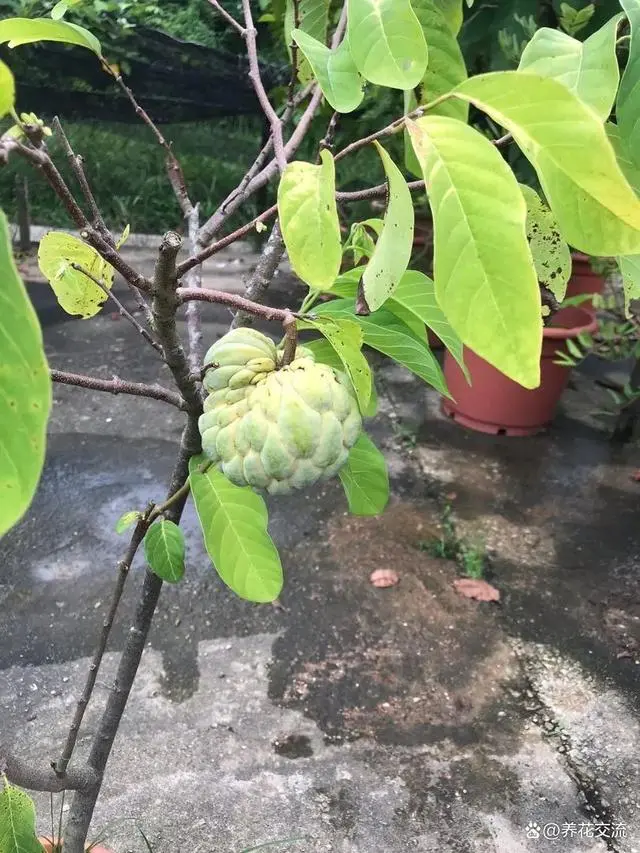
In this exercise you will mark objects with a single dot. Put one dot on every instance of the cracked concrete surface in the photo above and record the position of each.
(354, 720)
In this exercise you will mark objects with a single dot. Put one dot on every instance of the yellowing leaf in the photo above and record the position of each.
(596, 209)
(589, 69)
(484, 276)
(18, 31)
(387, 42)
(25, 391)
(309, 221)
(7, 90)
(76, 293)
(392, 253)
(345, 336)
(551, 255)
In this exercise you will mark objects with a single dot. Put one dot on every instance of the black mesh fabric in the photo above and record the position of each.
(175, 81)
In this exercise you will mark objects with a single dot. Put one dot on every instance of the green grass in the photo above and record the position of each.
(125, 166)
(471, 557)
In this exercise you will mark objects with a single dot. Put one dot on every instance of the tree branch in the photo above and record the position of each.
(231, 300)
(164, 306)
(262, 276)
(119, 386)
(23, 774)
(124, 565)
(84, 801)
(228, 18)
(250, 34)
(174, 170)
(194, 281)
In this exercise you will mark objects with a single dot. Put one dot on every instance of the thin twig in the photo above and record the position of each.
(123, 311)
(290, 339)
(76, 163)
(250, 33)
(294, 57)
(232, 300)
(174, 170)
(124, 565)
(160, 509)
(262, 276)
(194, 280)
(228, 18)
(119, 386)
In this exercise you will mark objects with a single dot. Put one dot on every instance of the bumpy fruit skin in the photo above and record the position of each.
(270, 427)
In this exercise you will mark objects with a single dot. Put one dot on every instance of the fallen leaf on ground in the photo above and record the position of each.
(636, 476)
(476, 589)
(383, 578)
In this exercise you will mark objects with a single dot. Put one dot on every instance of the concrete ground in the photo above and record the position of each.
(353, 719)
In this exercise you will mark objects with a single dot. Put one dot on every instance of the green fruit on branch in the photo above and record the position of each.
(273, 426)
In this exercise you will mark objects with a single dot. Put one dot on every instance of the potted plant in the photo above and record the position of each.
(588, 275)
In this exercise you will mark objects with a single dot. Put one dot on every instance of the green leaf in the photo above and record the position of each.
(313, 19)
(17, 822)
(416, 294)
(25, 391)
(345, 336)
(365, 478)
(386, 333)
(387, 42)
(551, 255)
(326, 354)
(62, 7)
(164, 550)
(573, 20)
(309, 221)
(18, 31)
(596, 209)
(452, 13)
(446, 67)
(334, 70)
(127, 520)
(589, 69)
(623, 156)
(484, 277)
(628, 103)
(234, 524)
(76, 293)
(360, 243)
(7, 90)
(392, 253)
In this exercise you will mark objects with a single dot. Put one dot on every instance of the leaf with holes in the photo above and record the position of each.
(345, 336)
(326, 354)
(164, 550)
(628, 102)
(17, 822)
(551, 255)
(234, 524)
(566, 143)
(7, 90)
(392, 253)
(383, 331)
(484, 277)
(18, 31)
(334, 70)
(365, 479)
(309, 221)
(589, 69)
(387, 42)
(630, 271)
(25, 391)
(416, 295)
(76, 293)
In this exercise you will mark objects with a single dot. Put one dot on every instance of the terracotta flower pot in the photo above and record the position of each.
(495, 404)
(50, 845)
(583, 278)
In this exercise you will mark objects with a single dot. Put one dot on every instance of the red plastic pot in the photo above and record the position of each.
(583, 278)
(495, 404)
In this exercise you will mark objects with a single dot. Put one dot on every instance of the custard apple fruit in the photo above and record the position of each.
(271, 426)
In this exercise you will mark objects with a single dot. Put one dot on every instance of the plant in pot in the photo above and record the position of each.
(262, 414)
